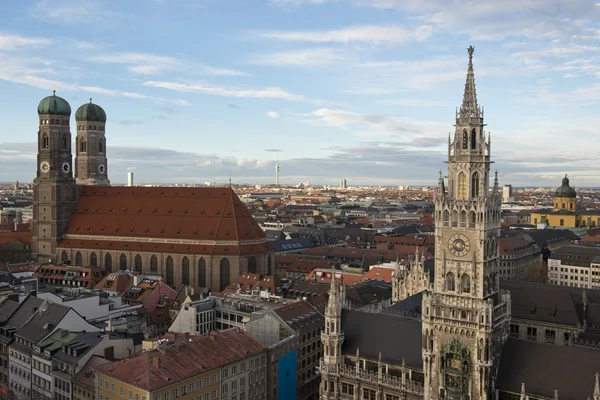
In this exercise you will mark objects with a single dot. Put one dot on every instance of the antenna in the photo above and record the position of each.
(230, 179)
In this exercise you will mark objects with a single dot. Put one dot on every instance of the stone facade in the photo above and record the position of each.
(408, 282)
(91, 163)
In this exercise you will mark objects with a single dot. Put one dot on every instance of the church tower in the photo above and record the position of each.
(332, 339)
(54, 186)
(90, 160)
(466, 316)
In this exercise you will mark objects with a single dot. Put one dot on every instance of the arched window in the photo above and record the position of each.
(52, 122)
(82, 146)
(170, 275)
(93, 259)
(78, 258)
(462, 186)
(185, 271)
(224, 274)
(64, 257)
(465, 283)
(473, 139)
(100, 146)
(108, 262)
(65, 142)
(463, 217)
(475, 185)
(269, 265)
(450, 285)
(153, 263)
(454, 218)
(252, 265)
(446, 215)
(138, 263)
(45, 143)
(465, 141)
(202, 272)
(563, 205)
(472, 219)
(123, 262)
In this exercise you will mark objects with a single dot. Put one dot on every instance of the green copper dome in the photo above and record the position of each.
(54, 105)
(565, 190)
(90, 112)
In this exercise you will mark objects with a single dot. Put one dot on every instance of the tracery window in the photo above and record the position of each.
(462, 186)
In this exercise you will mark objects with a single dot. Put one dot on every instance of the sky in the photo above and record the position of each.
(198, 90)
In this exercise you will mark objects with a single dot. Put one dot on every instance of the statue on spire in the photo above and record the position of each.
(471, 50)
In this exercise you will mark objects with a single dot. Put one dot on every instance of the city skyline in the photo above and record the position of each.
(369, 94)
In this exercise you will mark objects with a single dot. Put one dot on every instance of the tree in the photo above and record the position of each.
(536, 271)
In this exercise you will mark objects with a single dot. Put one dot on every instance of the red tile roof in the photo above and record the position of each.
(183, 359)
(319, 275)
(380, 274)
(9, 237)
(160, 218)
(116, 281)
(514, 243)
(86, 377)
(294, 263)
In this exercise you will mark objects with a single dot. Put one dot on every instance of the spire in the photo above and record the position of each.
(495, 181)
(596, 388)
(469, 108)
(523, 393)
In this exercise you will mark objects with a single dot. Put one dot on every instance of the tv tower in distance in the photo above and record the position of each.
(277, 172)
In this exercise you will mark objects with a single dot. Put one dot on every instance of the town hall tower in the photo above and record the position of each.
(466, 316)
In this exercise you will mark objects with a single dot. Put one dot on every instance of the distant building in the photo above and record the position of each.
(343, 184)
(507, 194)
(576, 266)
(516, 253)
(565, 212)
(130, 179)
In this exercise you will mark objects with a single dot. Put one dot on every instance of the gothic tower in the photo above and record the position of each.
(332, 339)
(54, 186)
(90, 160)
(466, 316)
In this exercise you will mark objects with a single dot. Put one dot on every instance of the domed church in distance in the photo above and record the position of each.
(564, 212)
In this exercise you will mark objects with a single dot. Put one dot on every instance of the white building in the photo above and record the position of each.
(130, 179)
(575, 266)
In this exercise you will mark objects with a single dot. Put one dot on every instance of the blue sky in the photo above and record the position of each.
(363, 89)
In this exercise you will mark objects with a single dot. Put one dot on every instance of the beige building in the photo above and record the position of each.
(409, 281)
(189, 367)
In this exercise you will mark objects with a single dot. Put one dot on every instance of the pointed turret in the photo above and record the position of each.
(596, 388)
(469, 108)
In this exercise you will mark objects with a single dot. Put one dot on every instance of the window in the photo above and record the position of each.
(462, 186)
(185, 271)
(514, 330)
(224, 388)
(100, 146)
(130, 394)
(121, 391)
(531, 333)
(465, 140)
(191, 387)
(252, 265)
(64, 142)
(93, 259)
(225, 372)
(465, 283)
(199, 384)
(170, 275)
(183, 390)
(138, 263)
(224, 273)
(473, 139)
(108, 262)
(214, 395)
(369, 394)
(175, 393)
(123, 262)
(45, 143)
(475, 185)
(347, 388)
(78, 259)
(233, 370)
(202, 272)
(450, 282)
(153, 264)
(82, 146)
(562, 222)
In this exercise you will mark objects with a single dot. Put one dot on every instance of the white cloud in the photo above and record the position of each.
(272, 114)
(140, 63)
(375, 34)
(205, 88)
(303, 57)
(73, 12)
(15, 42)
(215, 71)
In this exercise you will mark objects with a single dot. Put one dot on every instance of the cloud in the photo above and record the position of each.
(274, 150)
(272, 114)
(234, 106)
(371, 91)
(74, 12)
(130, 122)
(375, 34)
(304, 57)
(15, 42)
(215, 71)
(21, 72)
(215, 90)
(140, 63)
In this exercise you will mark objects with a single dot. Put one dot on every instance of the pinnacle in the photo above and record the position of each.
(469, 108)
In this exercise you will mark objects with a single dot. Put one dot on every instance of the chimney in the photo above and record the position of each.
(212, 334)
(156, 361)
(136, 280)
(128, 352)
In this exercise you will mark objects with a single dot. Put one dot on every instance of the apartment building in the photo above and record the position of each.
(575, 266)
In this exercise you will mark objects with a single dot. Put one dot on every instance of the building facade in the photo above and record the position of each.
(203, 237)
(575, 266)
(409, 281)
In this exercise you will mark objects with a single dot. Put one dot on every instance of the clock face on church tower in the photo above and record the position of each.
(44, 166)
(459, 245)
(66, 167)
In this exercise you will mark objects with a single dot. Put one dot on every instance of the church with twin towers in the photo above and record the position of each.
(451, 333)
